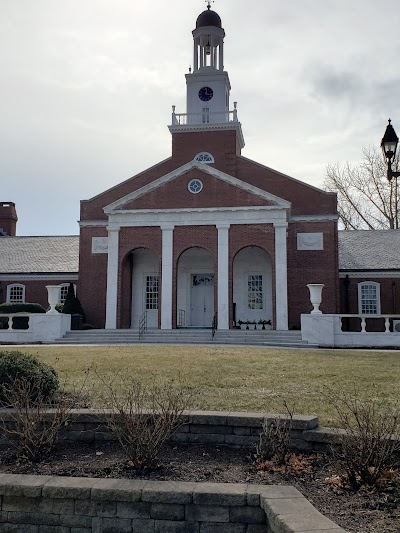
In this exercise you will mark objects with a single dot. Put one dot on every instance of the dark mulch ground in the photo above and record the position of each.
(362, 512)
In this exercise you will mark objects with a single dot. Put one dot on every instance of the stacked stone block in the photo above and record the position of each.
(44, 504)
(237, 430)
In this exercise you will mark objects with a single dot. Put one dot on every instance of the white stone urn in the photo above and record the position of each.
(315, 296)
(53, 297)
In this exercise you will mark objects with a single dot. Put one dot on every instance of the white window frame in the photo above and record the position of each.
(250, 301)
(151, 298)
(9, 291)
(210, 158)
(192, 182)
(60, 302)
(377, 287)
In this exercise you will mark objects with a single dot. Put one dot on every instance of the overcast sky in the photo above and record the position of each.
(87, 86)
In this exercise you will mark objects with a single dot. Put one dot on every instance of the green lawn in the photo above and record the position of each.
(236, 378)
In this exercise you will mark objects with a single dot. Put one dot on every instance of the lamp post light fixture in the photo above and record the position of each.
(389, 146)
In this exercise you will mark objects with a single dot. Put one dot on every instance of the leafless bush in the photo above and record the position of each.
(27, 421)
(370, 444)
(145, 416)
(274, 438)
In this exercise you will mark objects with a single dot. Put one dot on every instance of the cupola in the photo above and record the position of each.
(208, 41)
(209, 18)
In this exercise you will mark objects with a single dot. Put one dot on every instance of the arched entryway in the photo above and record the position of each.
(195, 288)
(145, 287)
(252, 284)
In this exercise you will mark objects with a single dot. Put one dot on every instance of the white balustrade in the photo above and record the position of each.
(363, 321)
(350, 330)
(7, 321)
(33, 327)
(187, 119)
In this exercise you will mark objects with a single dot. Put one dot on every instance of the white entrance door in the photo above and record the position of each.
(202, 300)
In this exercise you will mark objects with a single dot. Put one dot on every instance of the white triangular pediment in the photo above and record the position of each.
(251, 189)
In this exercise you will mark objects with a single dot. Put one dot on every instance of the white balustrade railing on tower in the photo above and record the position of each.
(191, 119)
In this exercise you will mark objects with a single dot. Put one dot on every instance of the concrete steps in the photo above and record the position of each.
(186, 336)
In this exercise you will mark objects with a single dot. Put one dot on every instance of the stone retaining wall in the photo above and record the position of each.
(204, 427)
(45, 504)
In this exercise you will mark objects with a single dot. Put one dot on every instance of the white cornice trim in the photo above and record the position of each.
(92, 223)
(368, 274)
(199, 210)
(184, 128)
(39, 277)
(313, 218)
(198, 217)
(280, 203)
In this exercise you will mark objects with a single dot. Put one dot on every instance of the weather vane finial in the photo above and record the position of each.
(209, 2)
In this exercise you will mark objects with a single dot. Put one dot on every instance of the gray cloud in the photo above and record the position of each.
(86, 90)
(330, 85)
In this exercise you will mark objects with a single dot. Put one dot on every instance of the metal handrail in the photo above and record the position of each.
(142, 324)
(181, 318)
(214, 325)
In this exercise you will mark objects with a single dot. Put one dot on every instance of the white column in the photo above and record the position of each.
(223, 276)
(281, 303)
(221, 55)
(112, 279)
(196, 56)
(166, 276)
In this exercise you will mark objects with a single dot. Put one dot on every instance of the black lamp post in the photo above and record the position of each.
(389, 146)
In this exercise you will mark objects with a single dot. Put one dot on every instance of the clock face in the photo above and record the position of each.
(205, 94)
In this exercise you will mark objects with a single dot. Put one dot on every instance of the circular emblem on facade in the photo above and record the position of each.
(195, 186)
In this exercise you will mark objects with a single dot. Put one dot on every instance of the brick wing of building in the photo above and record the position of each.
(28, 264)
(207, 230)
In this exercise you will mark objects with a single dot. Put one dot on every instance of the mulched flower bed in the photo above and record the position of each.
(361, 512)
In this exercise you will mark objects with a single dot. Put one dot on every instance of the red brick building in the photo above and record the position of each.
(207, 230)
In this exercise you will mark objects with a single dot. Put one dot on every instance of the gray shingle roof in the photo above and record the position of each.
(369, 250)
(39, 254)
(358, 250)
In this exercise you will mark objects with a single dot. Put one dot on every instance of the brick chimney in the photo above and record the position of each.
(8, 219)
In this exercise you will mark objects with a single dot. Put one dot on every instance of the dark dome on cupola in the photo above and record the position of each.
(208, 18)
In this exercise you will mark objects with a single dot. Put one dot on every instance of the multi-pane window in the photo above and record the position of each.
(206, 115)
(369, 298)
(255, 291)
(16, 294)
(204, 157)
(63, 293)
(151, 292)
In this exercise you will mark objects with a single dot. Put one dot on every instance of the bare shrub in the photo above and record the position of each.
(145, 415)
(274, 441)
(370, 443)
(27, 421)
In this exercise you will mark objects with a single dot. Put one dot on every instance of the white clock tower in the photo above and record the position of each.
(208, 86)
